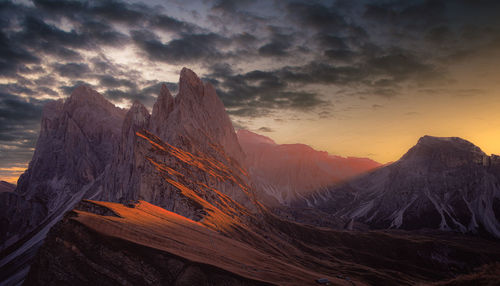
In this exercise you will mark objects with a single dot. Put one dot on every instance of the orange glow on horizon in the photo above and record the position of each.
(12, 174)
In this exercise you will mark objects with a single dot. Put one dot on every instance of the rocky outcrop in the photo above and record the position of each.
(289, 172)
(440, 183)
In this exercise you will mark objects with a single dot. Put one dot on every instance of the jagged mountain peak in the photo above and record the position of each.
(137, 117)
(164, 91)
(190, 86)
(86, 102)
(137, 105)
(162, 108)
(195, 114)
(84, 93)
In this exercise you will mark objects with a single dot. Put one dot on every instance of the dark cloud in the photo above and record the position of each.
(118, 95)
(409, 15)
(245, 39)
(317, 16)
(237, 13)
(340, 55)
(171, 24)
(35, 30)
(119, 11)
(46, 80)
(187, 48)
(46, 91)
(72, 70)
(331, 41)
(274, 48)
(61, 52)
(64, 7)
(120, 90)
(278, 46)
(51, 39)
(108, 10)
(238, 92)
(111, 82)
(102, 33)
(15, 88)
(439, 34)
(399, 65)
(19, 124)
(12, 57)
(229, 5)
(153, 89)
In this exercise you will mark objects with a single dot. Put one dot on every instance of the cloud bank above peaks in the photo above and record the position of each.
(303, 58)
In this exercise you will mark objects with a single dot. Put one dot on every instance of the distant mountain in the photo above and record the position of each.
(6, 187)
(440, 183)
(289, 172)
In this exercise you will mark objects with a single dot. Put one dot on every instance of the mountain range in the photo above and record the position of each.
(177, 197)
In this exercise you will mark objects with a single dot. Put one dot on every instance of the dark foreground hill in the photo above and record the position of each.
(141, 244)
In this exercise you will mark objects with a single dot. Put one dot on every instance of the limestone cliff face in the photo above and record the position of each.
(195, 119)
(76, 142)
(440, 183)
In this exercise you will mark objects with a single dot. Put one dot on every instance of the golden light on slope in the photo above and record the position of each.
(221, 214)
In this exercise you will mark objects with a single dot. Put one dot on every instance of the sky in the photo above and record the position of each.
(354, 78)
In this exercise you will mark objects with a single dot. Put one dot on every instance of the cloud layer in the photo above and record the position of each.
(262, 56)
